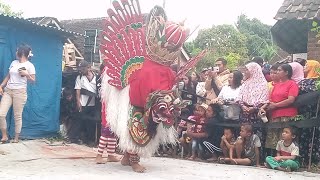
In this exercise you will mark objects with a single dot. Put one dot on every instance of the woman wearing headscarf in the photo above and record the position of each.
(311, 68)
(297, 72)
(305, 85)
(253, 93)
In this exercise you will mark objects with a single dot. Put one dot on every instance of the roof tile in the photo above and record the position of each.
(282, 9)
(296, 2)
(299, 9)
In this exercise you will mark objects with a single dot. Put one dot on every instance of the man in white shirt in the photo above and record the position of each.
(86, 91)
(85, 86)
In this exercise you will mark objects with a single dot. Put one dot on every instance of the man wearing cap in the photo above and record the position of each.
(85, 87)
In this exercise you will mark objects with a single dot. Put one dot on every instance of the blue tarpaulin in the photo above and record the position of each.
(41, 113)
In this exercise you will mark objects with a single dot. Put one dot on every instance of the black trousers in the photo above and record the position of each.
(83, 126)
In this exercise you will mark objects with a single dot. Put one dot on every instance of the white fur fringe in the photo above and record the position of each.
(118, 113)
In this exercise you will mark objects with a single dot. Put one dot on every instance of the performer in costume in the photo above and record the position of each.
(137, 86)
(107, 138)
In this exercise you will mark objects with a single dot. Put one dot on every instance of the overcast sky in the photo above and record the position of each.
(197, 12)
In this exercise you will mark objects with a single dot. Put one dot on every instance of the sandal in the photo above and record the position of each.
(15, 141)
(288, 169)
(5, 141)
(221, 160)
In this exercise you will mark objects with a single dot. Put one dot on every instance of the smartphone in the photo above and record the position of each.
(20, 69)
(215, 69)
(180, 85)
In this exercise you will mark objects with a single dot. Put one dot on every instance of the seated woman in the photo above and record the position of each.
(231, 92)
(211, 137)
(228, 95)
(281, 102)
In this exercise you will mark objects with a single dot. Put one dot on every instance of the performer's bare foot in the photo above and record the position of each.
(136, 167)
(113, 158)
(125, 160)
(100, 160)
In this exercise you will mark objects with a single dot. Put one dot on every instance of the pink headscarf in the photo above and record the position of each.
(297, 72)
(254, 91)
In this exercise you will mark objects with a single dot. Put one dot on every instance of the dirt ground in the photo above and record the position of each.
(38, 159)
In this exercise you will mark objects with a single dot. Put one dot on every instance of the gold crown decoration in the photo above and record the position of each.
(164, 38)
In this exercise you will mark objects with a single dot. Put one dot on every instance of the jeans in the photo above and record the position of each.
(196, 145)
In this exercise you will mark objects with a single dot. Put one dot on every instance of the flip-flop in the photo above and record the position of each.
(4, 141)
(288, 169)
(221, 160)
(14, 141)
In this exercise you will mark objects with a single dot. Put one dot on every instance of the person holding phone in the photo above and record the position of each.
(217, 77)
(13, 90)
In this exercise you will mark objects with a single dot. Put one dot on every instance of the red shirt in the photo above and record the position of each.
(280, 92)
(198, 127)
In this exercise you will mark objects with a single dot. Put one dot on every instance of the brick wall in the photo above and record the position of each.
(313, 46)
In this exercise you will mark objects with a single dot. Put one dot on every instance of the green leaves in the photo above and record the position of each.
(6, 10)
(314, 24)
(315, 28)
(237, 44)
(257, 34)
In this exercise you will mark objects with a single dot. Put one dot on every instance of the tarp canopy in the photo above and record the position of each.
(41, 113)
(291, 35)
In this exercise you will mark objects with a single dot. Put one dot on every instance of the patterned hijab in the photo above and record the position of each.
(254, 90)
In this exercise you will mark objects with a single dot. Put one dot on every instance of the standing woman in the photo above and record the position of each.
(13, 90)
(253, 92)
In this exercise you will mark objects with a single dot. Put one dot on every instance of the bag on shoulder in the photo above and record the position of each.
(231, 111)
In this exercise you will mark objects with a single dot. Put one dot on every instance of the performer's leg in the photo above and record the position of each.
(101, 147)
(111, 149)
(134, 162)
(126, 159)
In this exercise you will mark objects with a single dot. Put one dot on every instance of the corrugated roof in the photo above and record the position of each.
(299, 9)
(45, 27)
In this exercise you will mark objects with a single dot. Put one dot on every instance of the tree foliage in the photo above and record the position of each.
(248, 38)
(259, 42)
(6, 10)
(220, 41)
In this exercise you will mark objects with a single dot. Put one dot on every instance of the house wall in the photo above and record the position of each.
(313, 46)
(42, 110)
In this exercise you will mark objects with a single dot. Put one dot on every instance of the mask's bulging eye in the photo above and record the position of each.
(162, 106)
(171, 109)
